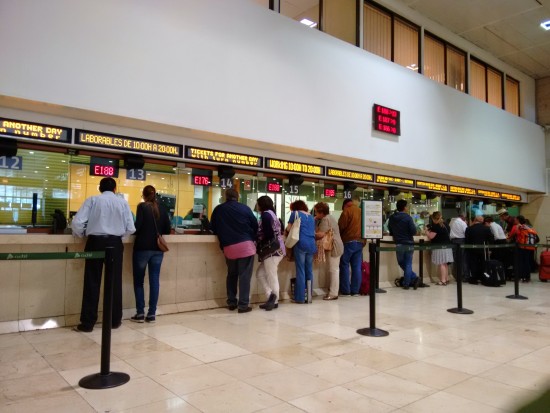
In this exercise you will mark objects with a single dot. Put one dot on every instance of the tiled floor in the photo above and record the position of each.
(300, 358)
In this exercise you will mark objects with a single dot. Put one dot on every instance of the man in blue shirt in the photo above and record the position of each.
(402, 228)
(104, 219)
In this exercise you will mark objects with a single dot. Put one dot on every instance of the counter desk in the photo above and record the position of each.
(45, 294)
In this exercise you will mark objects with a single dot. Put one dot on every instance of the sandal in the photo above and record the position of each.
(440, 283)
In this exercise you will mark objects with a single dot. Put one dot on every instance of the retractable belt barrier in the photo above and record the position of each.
(106, 378)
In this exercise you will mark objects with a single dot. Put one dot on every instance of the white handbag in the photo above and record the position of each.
(294, 233)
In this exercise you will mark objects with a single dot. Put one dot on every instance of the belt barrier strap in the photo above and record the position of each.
(51, 255)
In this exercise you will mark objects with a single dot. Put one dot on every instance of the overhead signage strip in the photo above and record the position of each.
(394, 180)
(214, 155)
(432, 186)
(346, 174)
(488, 194)
(510, 197)
(461, 190)
(126, 143)
(294, 167)
(39, 131)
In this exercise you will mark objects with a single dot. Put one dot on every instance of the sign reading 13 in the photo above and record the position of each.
(136, 174)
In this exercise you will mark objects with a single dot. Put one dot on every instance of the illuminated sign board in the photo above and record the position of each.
(454, 189)
(394, 180)
(432, 186)
(330, 191)
(354, 175)
(103, 167)
(386, 120)
(510, 197)
(488, 194)
(294, 167)
(125, 143)
(274, 186)
(38, 131)
(201, 177)
(223, 157)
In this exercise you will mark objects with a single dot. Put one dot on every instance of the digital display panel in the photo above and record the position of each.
(488, 194)
(510, 197)
(223, 157)
(454, 189)
(274, 186)
(126, 143)
(329, 191)
(394, 180)
(32, 130)
(294, 167)
(432, 186)
(354, 175)
(104, 170)
(201, 180)
(386, 120)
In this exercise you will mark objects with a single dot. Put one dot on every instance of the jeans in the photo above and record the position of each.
(140, 260)
(353, 254)
(304, 272)
(239, 274)
(405, 260)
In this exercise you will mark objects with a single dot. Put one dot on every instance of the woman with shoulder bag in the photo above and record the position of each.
(438, 233)
(269, 230)
(327, 223)
(151, 219)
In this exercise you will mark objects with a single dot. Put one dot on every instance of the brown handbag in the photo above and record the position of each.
(161, 242)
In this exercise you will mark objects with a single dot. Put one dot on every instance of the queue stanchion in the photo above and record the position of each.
(106, 378)
(377, 262)
(372, 331)
(459, 309)
(421, 265)
(516, 295)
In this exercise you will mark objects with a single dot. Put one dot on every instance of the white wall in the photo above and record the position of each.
(234, 68)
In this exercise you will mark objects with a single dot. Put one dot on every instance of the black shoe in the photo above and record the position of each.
(270, 303)
(83, 329)
(244, 310)
(416, 283)
(115, 326)
(231, 307)
(150, 319)
(406, 287)
(138, 318)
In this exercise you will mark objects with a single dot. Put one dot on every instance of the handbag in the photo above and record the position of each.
(328, 239)
(161, 242)
(294, 233)
(266, 248)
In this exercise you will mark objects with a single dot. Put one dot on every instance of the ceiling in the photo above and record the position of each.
(508, 29)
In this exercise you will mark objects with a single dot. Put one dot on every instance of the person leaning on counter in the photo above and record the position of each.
(104, 219)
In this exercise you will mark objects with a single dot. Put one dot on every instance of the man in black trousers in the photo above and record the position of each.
(477, 233)
(104, 219)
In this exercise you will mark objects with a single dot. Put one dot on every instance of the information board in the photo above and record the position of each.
(371, 219)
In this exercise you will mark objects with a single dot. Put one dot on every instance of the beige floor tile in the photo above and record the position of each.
(159, 331)
(334, 330)
(518, 377)
(281, 408)
(334, 346)
(295, 355)
(461, 362)
(340, 400)
(336, 370)
(141, 346)
(67, 402)
(188, 340)
(73, 376)
(217, 351)
(429, 375)
(12, 340)
(192, 379)
(376, 359)
(29, 387)
(250, 365)
(448, 403)
(76, 359)
(232, 397)
(34, 365)
(156, 363)
(174, 405)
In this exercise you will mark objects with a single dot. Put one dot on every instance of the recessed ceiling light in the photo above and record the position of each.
(308, 23)
(545, 25)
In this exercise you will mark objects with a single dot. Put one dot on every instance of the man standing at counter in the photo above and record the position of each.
(402, 228)
(104, 219)
(236, 228)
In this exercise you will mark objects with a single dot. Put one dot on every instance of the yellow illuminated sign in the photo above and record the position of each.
(294, 167)
(461, 190)
(35, 131)
(394, 180)
(432, 186)
(510, 197)
(215, 155)
(354, 175)
(126, 143)
(488, 194)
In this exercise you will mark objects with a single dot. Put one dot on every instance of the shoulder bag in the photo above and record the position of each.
(161, 242)
(328, 238)
(294, 233)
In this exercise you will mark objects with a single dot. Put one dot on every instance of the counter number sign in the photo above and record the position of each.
(135, 174)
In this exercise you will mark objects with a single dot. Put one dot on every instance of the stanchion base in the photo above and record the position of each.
(379, 290)
(517, 297)
(424, 285)
(104, 381)
(460, 311)
(372, 332)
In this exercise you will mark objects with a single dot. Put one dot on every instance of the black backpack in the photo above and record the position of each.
(59, 222)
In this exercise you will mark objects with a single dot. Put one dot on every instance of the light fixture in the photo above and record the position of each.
(545, 25)
(308, 22)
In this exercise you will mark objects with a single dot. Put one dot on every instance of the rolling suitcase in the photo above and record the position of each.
(365, 278)
(544, 264)
(494, 275)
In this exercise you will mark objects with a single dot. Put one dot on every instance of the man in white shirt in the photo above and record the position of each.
(104, 219)
(457, 234)
(499, 254)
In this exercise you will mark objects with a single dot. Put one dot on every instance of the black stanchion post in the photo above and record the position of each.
(421, 265)
(459, 309)
(372, 331)
(516, 295)
(377, 258)
(106, 379)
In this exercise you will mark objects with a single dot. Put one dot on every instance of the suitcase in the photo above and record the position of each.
(365, 278)
(494, 275)
(544, 264)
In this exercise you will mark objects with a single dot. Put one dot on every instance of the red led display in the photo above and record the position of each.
(104, 170)
(330, 191)
(274, 186)
(201, 180)
(386, 120)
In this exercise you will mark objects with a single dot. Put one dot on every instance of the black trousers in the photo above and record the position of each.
(92, 279)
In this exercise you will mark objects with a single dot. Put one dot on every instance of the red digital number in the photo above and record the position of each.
(330, 192)
(201, 180)
(104, 170)
(273, 187)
